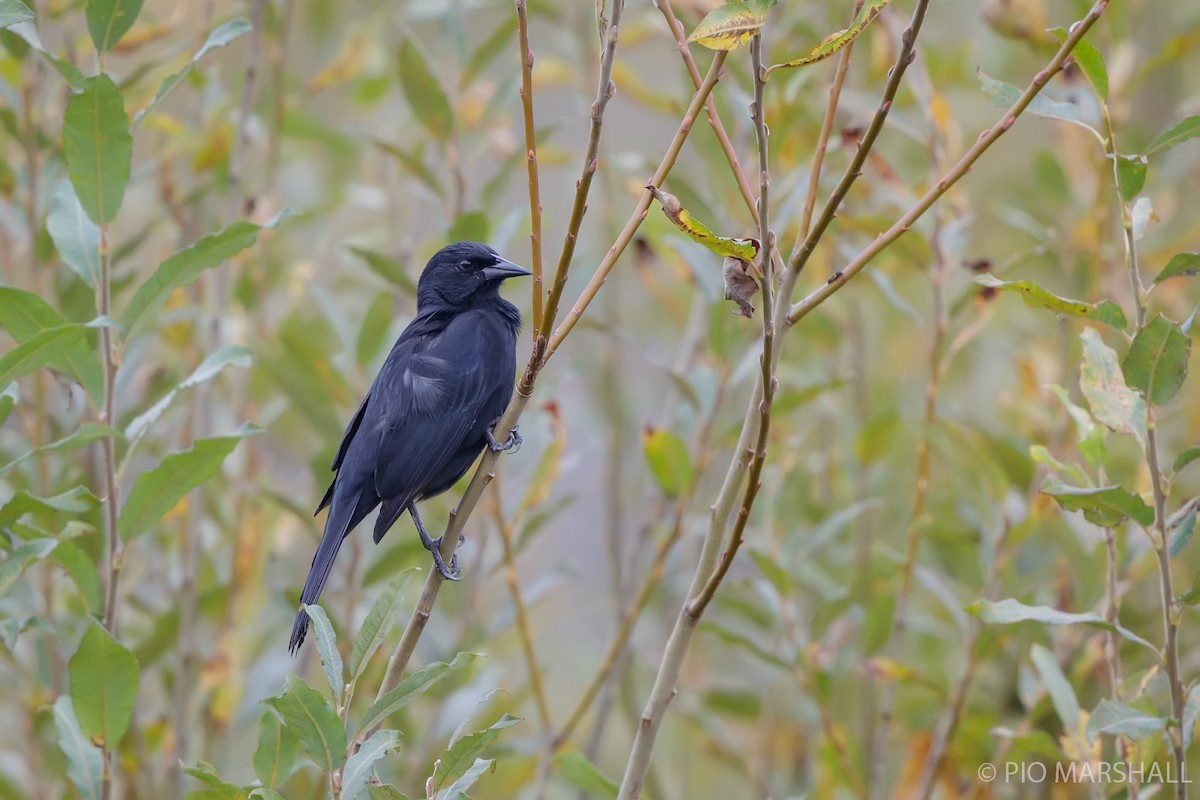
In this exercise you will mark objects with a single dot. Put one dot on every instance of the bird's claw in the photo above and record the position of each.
(513, 443)
(451, 573)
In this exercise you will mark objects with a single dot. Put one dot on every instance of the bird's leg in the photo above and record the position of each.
(434, 547)
(513, 443)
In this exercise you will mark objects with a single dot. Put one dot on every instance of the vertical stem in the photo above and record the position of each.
(112, 488)
(531, 164)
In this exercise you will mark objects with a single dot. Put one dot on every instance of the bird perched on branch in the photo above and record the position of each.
(431, 410)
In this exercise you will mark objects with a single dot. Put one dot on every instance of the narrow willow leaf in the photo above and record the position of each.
(385, 791)
(1131, 176)
(185, 266)
(75, 236)
(486, 53)
(73, 501)
(410, 688)
(424, 93)
(1062, 696)
(731, 25)
(413, 162)
(85, 766)
(1185, 458)
(839, 39)
(86, 434)
(47, 345)
(104, 683)
(1112, 402)
(1179, 265)
(1090, 62)
(264, 794)
(8, 400)
(1007, 612)
(98, 147)
(359, 767)
(276, 752)
(1004, 95)
(156, 491)
(668, 458)
(1181, 525)
(1188, 128)
(1106, 506)
(109, 20)
(82, 569)
(463, 753)
(1157, 361)
(27, 31)
(14, 11)
(1120, 719)
(458, 789)
(217, 788)
(314, 722)
(232, 356)
(21, 558)
(581, 773)
(331, 659)
(745, 249)
(24, 314)
(1191, 712)
(375, 627)
(386, 267)
(221, 35)
(1035, 296)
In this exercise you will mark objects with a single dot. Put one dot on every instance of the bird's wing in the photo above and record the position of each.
(428, 406)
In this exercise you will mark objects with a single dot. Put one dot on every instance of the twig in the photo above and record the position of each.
(531, 164)
(605, 89)
(639, 213)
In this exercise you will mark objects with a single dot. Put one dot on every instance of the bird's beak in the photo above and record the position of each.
(504, 269)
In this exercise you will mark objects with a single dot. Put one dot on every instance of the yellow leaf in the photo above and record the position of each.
(836, 41)
(345, 66)
(728, 26)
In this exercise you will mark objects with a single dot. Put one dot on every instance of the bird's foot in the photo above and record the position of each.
(513, 443)
(434, 546)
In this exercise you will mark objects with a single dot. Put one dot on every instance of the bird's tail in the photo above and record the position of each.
(337, 525)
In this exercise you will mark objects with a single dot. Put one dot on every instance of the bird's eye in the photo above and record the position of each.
(464, 265)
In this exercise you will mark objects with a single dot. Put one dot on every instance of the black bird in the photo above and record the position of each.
(431, 410)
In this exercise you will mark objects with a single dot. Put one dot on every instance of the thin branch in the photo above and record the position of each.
(639, 213)
(605, 89)
(531, 163)
(986, 139)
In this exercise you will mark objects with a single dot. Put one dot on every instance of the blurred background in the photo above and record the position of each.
(913, 403)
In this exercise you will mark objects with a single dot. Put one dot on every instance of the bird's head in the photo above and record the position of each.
(462, 273)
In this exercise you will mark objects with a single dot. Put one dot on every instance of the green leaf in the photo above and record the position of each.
(276, 752)
(1191, 712)
(24, 314)
(1118, 718)
(357, 772)
(82, 569)
(185, 266)
(221, 35)
(1112, 402)
(1062, 696)
(1185, 458)
(458, 789)
(70, 72)
(834, 42)
(48, 344)
(745, 249)
(87, 433)
(156, 491)
(386, 267)
(231, 356)
(8, 401)
(385, 792)
(1188, 128)
(1181, 525)
(1192, 596)
(1131, 176)
(314, 722)
(373, 332)
(21, 558)
(578, 771)
(424, 93)
(98, 147)
(1035, 296)
(104, 684)
(413, 162)
(1157, 361)
(1180, 264)
(668, 458)
(1106, 506)
(410, 688)
(265, 794)
(375, 627)
(1007, 612)
(217, 788)
(1090, 62)
(109, 20)
(1004, 95)
(75, 236)
(487, 52)
(731, 25)
(14, 11)
(331, 659)
(75, 501)
(470, 226)
(85, 766)
(463, 753)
